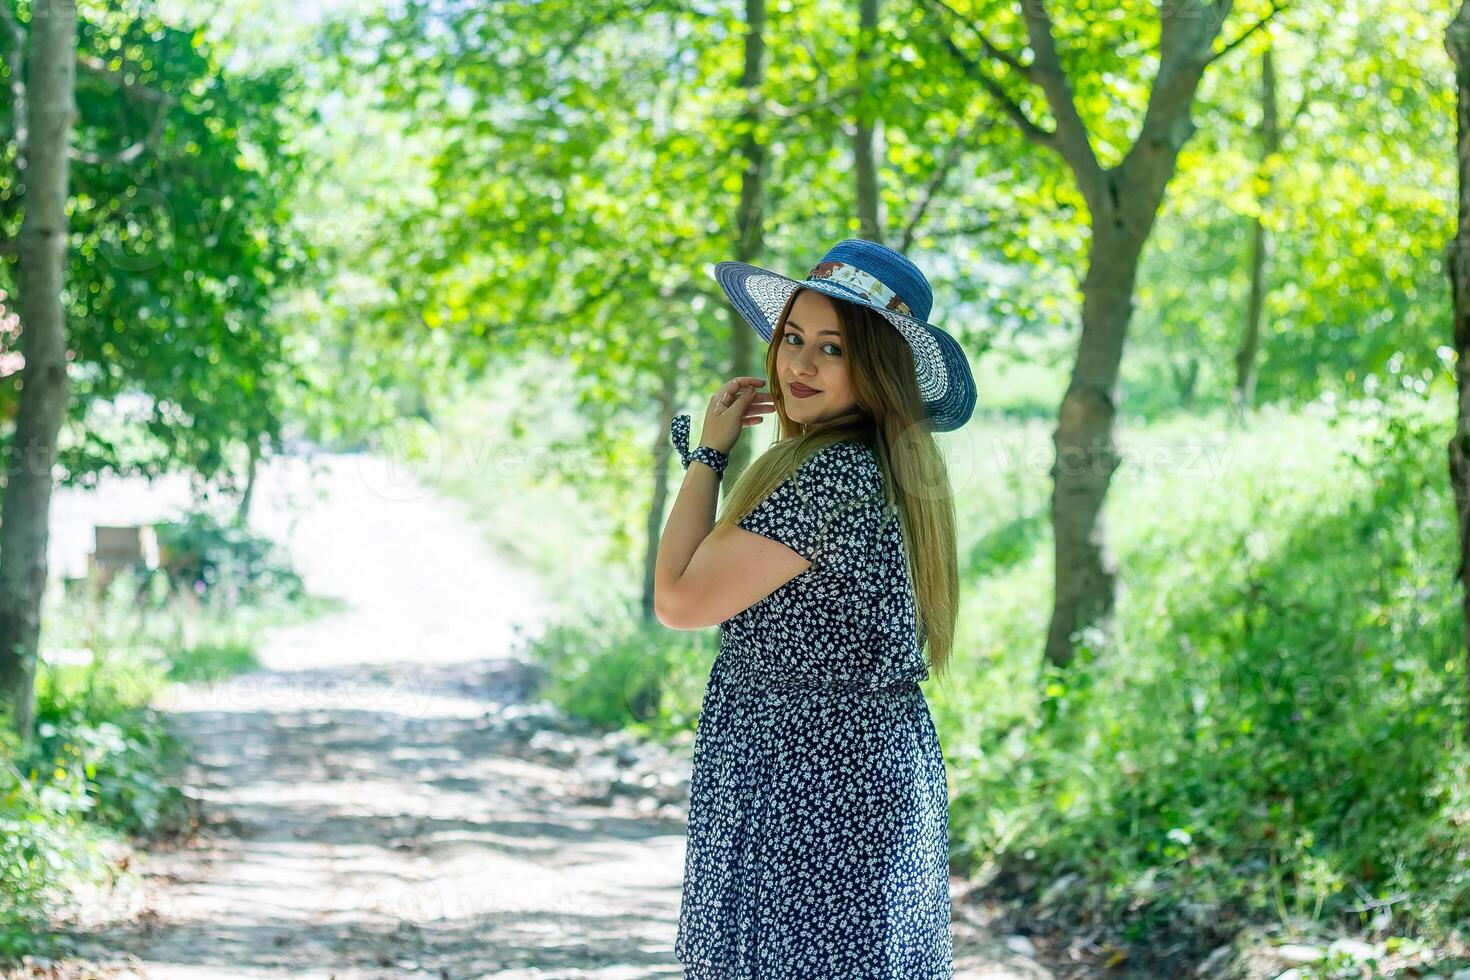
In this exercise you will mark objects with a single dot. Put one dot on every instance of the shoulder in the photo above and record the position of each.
(823, 505)
(841, 471)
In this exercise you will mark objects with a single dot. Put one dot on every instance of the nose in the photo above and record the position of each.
(803, 363)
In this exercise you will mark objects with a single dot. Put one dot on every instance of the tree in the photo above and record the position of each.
(750, 218)
(1457, 43)
(180, 246)
(171, 257)
(868, 129)
(1250, 343)
(46, 110)
(1122, 202)
(588, 162)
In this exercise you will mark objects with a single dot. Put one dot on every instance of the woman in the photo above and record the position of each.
(818, 811)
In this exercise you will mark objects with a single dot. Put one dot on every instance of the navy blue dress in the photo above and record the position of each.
(818, 840)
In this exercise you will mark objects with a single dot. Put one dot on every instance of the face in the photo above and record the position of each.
(811, 364)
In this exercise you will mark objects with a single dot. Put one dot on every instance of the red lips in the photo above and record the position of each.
(802, 391)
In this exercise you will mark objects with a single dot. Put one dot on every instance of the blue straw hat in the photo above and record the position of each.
(872, 275)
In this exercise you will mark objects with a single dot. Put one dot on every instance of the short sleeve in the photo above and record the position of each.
(819, 504)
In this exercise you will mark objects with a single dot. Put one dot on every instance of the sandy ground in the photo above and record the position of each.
(386, 797)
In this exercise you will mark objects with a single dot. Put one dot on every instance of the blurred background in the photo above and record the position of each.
(338, 348)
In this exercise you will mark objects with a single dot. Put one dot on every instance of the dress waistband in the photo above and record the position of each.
(745, 677)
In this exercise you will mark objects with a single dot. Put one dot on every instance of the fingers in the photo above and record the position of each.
(725, 397)
(756, 397)
(735, 385)
(741, 400)
(736, 389)
(761, 404)
(757, 410)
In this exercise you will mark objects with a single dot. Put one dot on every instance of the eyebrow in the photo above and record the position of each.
(793, 323)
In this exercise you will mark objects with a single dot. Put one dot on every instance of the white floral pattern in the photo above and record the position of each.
(819, 814)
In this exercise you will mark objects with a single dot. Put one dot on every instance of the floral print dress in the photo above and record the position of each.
(818, 842)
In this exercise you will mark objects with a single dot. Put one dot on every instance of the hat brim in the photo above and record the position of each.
(945, 382)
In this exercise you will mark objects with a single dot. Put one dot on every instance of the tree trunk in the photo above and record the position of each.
(242, 513)
(866, 143)
(1457, 43)
(744, 358)
(663, 448)
(25, 513)
(1186, 379)
(1086, 455)
(1245, 357)
(1123, 203)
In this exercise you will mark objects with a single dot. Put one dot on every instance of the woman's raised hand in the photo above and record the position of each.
(736, 405)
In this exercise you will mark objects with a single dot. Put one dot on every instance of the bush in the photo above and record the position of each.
(43, 850)
(200, 554)
(100, 775)
(623, 673)
(97, 736)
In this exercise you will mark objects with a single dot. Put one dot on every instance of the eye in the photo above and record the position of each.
(830, 348)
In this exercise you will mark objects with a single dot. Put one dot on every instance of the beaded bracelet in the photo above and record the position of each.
(708, 455)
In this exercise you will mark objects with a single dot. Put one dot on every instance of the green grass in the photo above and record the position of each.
(1275, 736)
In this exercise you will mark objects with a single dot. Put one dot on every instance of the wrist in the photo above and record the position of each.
(714, 458)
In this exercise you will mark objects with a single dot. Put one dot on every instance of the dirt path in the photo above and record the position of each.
(386, 799)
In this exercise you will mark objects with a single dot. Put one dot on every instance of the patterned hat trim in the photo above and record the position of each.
(865, 285)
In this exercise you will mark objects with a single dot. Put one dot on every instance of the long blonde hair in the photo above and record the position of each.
(889, 417)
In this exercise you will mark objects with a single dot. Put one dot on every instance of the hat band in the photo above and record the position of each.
(870, 287)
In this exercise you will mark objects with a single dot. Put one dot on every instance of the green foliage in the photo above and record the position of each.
(582, 223)
(212, 659)
(43, 847)
(104, 661)
(99, 741)
(625, 673)
(178, 251)
(186, 635)
(1357, 203)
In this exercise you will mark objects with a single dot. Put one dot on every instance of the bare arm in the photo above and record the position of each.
(702, 578)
